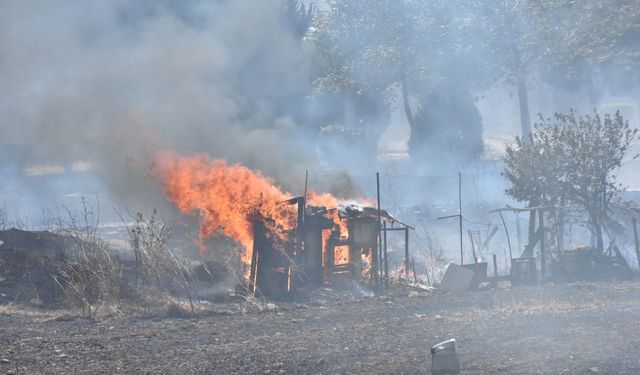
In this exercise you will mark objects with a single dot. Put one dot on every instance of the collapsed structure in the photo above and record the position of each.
(337, 246)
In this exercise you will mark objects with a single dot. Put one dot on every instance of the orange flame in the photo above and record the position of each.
(226, 195)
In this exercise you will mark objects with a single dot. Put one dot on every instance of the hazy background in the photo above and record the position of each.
(89, 91)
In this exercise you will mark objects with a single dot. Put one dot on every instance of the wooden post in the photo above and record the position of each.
(386, 255)
(531, 234)
(495, 271)
(637, 243)
(376, 260)
(406, 253)
(460, 217)
(306, 181)
(543, 258)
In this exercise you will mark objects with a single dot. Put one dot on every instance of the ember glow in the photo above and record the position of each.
(226, 196)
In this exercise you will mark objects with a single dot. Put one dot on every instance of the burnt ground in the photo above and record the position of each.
(550, 329)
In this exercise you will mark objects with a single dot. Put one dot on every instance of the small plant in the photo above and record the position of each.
(431, 251)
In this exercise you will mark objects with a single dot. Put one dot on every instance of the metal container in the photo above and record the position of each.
(444, 358)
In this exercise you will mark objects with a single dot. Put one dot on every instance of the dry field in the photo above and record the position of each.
(580, 328)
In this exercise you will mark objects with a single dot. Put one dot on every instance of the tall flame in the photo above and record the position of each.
(226, 195)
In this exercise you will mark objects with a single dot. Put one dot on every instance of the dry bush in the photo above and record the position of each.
(155, 262)
(430, 250)
(225, 262)
(90, 274)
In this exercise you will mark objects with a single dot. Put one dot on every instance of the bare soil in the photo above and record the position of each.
(579, 328)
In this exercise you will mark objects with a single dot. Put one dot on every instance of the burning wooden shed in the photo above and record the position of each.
(328, 246)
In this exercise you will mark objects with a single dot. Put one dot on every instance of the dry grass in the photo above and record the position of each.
(253, 303)
(537, 306)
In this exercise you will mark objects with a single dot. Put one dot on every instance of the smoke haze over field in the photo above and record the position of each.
(103, 86)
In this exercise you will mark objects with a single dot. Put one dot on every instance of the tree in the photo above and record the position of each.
(571, 160)
(425, 49)
(564, 40)
(299, 16)
(583, 37)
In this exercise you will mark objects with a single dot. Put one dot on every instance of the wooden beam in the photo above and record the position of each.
(385, 229)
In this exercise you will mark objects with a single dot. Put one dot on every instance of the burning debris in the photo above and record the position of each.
(288, 242)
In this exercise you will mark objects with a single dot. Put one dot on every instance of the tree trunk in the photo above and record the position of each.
(523, 95)
(599, 240)
(560, 226)
(595, 221)
(405, 100)
(519, 71)
(532, 230)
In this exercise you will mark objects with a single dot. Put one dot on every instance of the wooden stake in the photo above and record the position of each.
(406, 254)
(306, 181)
(460, 208)
(386, 255)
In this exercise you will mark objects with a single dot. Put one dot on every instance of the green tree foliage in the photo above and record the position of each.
(571, 160)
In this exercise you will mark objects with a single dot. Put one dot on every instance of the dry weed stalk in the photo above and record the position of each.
(155, 261)
(90, 274)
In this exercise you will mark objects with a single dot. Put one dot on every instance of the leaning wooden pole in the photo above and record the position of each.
(637, 243)
(506, 231)
(253, 272)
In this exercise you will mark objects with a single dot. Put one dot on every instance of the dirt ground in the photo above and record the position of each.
(579, 328)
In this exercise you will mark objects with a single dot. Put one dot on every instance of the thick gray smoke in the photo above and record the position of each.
(112, 82)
